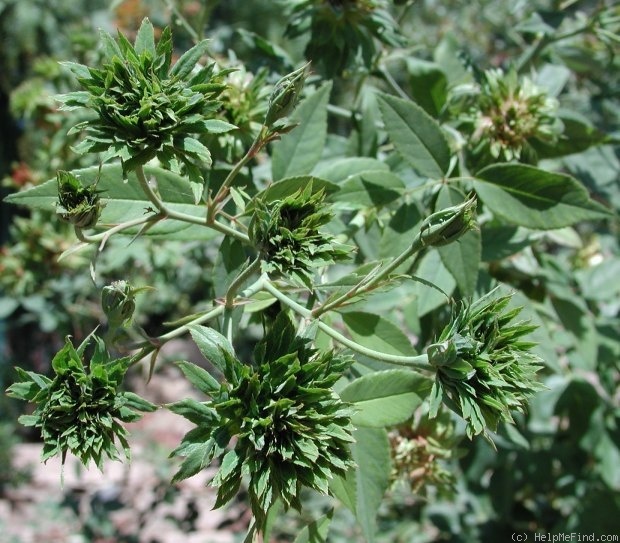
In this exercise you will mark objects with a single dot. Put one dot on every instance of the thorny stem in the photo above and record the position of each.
(544, 41)
(233, 219)
(103, 236)
(150, 345)
(171, 214)
(392, 82)
(419, 362)
(225, 229)
(223, 190)
(366, 285)
(227, 325)
(239, 280)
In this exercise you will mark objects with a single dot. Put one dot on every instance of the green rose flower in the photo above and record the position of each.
(145, 108)
(484, 367)
(80, 410)
(276, 422)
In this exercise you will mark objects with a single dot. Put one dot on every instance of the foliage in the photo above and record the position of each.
(342, 31)
(77, 204)
(371, 226)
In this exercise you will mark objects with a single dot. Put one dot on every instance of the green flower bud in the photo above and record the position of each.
(286, 94)
(77, 204)
(449, 224)
(117, 301)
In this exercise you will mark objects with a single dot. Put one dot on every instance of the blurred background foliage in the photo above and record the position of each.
(559, 471)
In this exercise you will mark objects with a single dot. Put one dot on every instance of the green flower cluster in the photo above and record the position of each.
(507, 116)
(80, 411)
(286, 234)
(77, 204)
(341, 31)
(286, 426)
(144, 108)
(484, 368)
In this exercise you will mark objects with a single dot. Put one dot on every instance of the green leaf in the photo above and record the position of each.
(194, 411)
(341, 169)
(416, 136)
(598, 169)
(501, 241)
(137, 402)
(376, 332)
(399, 232)
(194, 148)
(300, 150)
(385, 398)
(577, 136)
(229, 262)
(535, 198)
(461, 258)
(600, 282)
(199, 377)
(428, 85)
(371, 454)
(211, 345)
(28, 420)
(363, 487)
(345, 489)
(28, 387)
(514, 436)
(577, 403)
(369, 189)
(432, 269)
(229, 465)
(145, 40)
(448, 56)
(108, 45)
(217, 126)
(577, 318)
(316, 531)
(267, 48)
(7, 306)
(199, 456)
(435, 399)
(188, 60)
(79, 70)
(607, 459)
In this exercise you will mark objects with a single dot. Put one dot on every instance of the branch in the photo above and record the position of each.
(419, 362)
